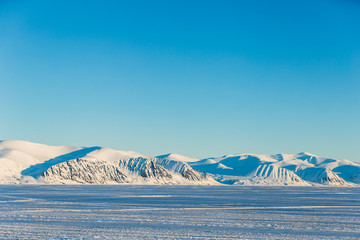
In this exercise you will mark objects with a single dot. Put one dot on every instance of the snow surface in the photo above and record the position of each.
(178, 212)
(17, 155)
(177, 157)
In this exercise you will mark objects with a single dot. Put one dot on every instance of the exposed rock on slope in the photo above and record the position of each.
(83, 171)
(182, 168)
(267, 174)
(275, 175)
(133, 171)
(321, 175)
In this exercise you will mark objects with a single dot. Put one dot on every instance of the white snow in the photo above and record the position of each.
(178, 212)
(16, 155)
(177, 157)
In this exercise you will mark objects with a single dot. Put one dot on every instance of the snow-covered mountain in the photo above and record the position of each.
(26, 162)
(281, 169)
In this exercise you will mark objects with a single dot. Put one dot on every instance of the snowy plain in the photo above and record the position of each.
(178, 212)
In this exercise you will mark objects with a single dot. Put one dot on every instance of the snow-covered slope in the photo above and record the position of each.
(280, 169)
(22, 161)
(321, 175)
(272, 174)
(322, 170)
(16, 156)
(177, 157)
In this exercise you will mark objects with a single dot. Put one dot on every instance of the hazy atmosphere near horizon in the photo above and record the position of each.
(200, 78)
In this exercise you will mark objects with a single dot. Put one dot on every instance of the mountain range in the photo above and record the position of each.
(27, 162)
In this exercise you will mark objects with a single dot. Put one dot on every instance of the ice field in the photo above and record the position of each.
(178, 212)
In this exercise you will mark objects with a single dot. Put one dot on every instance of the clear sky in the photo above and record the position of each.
(200, 78)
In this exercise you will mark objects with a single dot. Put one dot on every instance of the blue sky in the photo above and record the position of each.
(200, 78)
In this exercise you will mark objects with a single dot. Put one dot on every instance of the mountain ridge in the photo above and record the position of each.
(27, 162)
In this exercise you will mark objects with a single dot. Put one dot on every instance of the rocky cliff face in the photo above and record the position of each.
(322, 176)
(132, 171)
(83, 171)
(182, 168)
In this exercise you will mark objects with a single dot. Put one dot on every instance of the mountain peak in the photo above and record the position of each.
(307, 154)
(177, 157)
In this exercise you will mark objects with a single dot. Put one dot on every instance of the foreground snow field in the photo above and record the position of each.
(178, 212)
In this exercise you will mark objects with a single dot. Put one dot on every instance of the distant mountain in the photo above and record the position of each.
(280, 169)
(26, 162)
